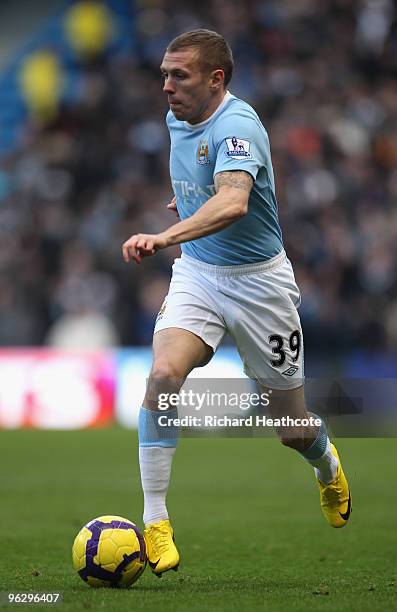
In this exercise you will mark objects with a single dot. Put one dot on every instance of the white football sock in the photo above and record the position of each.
(326, 466)
(155, 463)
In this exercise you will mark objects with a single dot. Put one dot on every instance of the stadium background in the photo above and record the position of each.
(83, 165)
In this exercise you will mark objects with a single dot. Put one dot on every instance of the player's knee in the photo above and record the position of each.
(165, 376)
(165, 369)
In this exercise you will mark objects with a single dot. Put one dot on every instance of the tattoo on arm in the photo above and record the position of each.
(234, 178)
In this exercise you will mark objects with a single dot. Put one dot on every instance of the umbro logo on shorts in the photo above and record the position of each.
(290, 371)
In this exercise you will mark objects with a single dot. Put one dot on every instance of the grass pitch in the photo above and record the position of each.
(245, 511)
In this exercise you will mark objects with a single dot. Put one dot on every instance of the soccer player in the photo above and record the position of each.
(233, 276)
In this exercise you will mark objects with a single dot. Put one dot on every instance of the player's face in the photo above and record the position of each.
(189, 89)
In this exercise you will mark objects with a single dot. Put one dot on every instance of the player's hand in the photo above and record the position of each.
(142, 245)
(172, 206)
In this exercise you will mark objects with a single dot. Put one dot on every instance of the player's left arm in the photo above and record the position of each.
(230, 203)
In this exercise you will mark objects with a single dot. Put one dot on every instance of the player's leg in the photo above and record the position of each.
(187, 333)
(175, 353)
(315, 447)
(308, 439)
(262, 317)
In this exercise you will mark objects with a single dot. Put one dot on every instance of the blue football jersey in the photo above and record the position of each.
(233, 138)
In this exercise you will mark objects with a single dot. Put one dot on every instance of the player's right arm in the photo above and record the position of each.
(229, 204)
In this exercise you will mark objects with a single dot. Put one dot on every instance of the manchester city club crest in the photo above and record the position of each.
(202, 152)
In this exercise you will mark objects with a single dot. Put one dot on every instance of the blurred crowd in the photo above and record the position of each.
(322, 76)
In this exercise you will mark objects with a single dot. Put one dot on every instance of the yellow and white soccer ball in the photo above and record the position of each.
(109, 552)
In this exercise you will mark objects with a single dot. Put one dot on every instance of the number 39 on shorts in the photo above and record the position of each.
(278, 344)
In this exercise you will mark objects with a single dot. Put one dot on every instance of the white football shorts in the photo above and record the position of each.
(255, 303)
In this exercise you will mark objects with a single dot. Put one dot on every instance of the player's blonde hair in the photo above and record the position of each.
(214, 50)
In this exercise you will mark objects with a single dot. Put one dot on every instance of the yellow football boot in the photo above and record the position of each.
(161, 551)
(336, 501)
